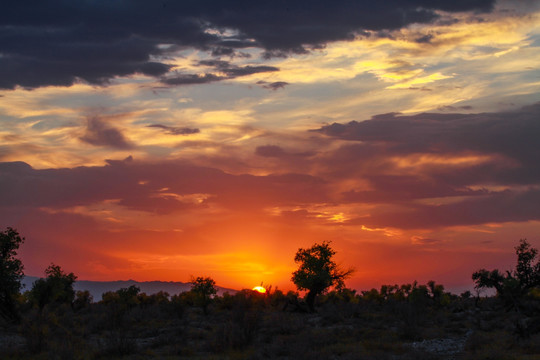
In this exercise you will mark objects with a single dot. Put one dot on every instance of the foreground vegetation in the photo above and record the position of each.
(410, 321)
(379, 324)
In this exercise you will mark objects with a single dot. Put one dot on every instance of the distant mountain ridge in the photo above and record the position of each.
(97, 288)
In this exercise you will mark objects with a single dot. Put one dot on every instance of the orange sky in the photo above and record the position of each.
(405, 135)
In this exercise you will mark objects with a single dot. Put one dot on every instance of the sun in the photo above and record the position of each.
(259, 289)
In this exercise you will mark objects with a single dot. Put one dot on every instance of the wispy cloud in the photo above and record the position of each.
(171, 130)
(276, 85)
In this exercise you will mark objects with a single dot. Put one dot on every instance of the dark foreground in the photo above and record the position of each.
(375, 325)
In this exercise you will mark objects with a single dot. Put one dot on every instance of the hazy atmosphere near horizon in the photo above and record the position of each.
(155, 140)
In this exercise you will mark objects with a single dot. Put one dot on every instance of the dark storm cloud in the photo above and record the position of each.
(171, 130)
(473, 168)
(100, 133)
(513, 135)
(405, 188)
(507, 141)
(59, 42)
(289, 26)
(499, 207)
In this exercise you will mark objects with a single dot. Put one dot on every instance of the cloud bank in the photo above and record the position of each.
(60, 42)
(470, 168)
(421, 171)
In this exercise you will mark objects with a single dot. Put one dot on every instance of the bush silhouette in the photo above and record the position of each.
(56, 287)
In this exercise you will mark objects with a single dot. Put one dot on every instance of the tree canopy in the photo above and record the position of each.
(318, 271)
(514, 284)
(203, 289)
(11, 272)
(56, 287)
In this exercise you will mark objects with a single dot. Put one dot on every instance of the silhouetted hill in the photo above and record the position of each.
(97, 288)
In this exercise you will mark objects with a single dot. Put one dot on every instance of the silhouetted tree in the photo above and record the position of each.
(527, 272)
(203, 290)
(125, 297)
(317, 271)
(489, 279)
(439, 296)
(129, 296)
(514, 284)
(11, 273)
(56, 287)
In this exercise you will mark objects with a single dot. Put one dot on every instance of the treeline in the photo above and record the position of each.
(56, 320)
(317, 273)
(52, 320)
(128, 322)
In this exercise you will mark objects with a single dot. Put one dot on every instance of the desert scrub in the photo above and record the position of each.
(482, 345)
(117, 343)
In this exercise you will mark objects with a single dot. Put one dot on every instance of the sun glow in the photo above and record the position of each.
(259, 289)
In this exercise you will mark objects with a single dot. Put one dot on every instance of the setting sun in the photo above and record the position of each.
(259, 289)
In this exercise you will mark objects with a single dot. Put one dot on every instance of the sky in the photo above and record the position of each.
(159, 140)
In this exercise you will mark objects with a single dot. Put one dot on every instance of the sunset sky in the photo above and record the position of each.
(155, 140)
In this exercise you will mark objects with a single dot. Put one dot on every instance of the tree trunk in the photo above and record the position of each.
(310, 300)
